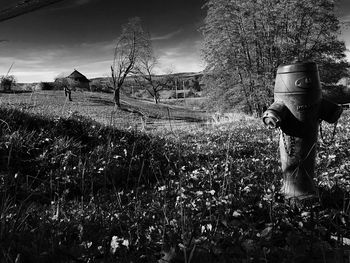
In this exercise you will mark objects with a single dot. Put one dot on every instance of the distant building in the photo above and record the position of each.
(77, 80)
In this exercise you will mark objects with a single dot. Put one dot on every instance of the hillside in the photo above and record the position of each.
(182, 75)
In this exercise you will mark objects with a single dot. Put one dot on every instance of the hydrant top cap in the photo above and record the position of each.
(298, 67)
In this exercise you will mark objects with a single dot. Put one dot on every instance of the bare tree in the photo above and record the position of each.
(126, 54)
(145, 75)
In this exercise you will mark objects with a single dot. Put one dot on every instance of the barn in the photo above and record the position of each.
(76, 80)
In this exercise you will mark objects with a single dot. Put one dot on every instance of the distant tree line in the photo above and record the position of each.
(245, 42)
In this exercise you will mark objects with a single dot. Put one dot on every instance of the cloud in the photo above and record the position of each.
(92, 59)
(184, 57)
(345, 19)
(189, 63)
(32, 76)
(108, 45)
(35, 63)
(95, 69)
(167, 36)
(71, 4)
(82, 2)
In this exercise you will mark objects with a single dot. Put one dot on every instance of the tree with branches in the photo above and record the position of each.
(245, 42)
(127, 53)
(145, 72)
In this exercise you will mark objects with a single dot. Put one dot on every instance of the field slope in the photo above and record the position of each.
(100, 107)
(75, 190)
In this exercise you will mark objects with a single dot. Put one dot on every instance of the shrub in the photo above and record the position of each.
(46, 86)
(7, 82)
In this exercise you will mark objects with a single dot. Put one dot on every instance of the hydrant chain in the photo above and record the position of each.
(290, 152)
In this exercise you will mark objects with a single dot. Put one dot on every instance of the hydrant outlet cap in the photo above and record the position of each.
(271, 119)
(298, 67)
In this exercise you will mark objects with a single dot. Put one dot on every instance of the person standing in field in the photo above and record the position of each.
(68, 92)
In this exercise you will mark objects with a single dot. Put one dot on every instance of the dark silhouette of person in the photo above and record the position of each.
(68, 92)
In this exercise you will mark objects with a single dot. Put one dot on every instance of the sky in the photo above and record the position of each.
(81, 34)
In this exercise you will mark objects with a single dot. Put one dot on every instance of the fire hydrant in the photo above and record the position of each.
(297, 110)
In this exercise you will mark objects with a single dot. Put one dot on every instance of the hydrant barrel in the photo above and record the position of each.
(296, 111)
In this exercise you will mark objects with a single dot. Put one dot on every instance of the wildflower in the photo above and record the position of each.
(236, 213)
(114, 244)
(199, 193)
(209, 227)
(162, 188)
(212, 192)
(125, 243)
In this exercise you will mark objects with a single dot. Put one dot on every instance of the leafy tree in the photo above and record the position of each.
(195, 84)
(245, 41)
(127, 53)
(47, 85)
(61, 82)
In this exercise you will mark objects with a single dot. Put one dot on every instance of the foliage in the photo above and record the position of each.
(194, 83)
(47, 86)
(74, 190)
(7, 82)
(60, 83)
(246, 41)
(97, 85)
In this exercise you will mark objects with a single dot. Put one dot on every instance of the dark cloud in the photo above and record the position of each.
(81, 34)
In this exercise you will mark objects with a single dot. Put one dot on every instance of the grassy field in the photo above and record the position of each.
(100, 107)
(74, 190)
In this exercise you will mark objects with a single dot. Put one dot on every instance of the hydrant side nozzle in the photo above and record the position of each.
(330, 111)
(274, 115)
(271, 119)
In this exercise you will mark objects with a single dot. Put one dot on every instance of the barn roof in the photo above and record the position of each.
(77, 75)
